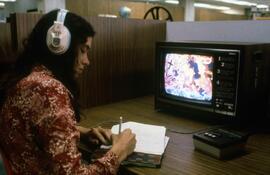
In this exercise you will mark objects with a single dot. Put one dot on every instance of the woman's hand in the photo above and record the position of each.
(95, 136)
(123, 144)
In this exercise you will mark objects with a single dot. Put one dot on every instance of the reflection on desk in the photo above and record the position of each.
(180, 157)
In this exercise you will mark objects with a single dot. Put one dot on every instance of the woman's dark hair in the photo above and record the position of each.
(36, 52)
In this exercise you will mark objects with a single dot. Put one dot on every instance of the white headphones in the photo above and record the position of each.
(58, 35)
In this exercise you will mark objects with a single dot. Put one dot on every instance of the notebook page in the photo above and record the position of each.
(150, 138)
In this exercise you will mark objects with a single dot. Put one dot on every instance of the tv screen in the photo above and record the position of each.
(189, 76)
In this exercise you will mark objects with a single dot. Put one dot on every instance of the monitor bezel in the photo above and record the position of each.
(195, 48)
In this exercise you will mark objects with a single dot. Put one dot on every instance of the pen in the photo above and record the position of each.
(120, 124)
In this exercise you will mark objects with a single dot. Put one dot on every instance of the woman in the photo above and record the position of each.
(39, 110)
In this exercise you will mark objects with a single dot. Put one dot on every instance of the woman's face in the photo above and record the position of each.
(82, 59)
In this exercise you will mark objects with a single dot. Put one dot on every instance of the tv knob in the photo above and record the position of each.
(222, 64)
(230, 107)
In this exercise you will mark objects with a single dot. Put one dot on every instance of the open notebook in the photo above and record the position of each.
(150, 146)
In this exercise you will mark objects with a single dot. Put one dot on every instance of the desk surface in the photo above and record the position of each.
(180, 156)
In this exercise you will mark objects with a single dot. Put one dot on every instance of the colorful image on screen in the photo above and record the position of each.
(189, 76)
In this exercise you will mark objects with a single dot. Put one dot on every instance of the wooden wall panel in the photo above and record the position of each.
(22, 24)
(7, 56)
(78, 6)
(214, 15)
(121, 58)
(95, 7)
(138, 9)
(6, 53)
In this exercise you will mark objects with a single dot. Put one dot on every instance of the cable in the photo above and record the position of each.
(114, 122)
(195, 131)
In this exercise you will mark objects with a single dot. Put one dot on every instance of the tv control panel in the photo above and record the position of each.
(225, 83)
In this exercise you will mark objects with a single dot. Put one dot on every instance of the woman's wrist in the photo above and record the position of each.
(120, 153)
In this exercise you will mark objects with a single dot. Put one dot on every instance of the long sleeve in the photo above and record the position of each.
(43, 131)
(60, 136)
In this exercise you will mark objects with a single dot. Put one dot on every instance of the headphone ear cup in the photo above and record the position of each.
(58, 39)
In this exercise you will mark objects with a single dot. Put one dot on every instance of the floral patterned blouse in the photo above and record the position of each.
(38, 130)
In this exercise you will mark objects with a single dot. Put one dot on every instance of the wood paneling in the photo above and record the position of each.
(122, 60)
(6, 54)
(214, 15)
(138, 9)
(21, 26)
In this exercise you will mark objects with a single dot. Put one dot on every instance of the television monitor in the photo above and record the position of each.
(222, 80)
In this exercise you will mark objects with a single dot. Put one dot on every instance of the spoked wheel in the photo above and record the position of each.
(155, 13)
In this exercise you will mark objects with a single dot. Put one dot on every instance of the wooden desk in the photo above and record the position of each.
(180, 156)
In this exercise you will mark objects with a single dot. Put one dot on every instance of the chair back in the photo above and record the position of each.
(6, 163)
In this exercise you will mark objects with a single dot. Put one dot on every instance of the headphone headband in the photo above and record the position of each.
(61, 15)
